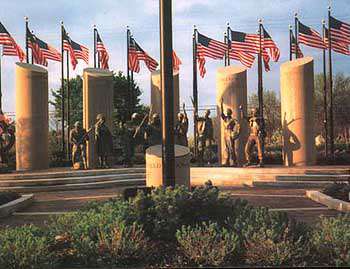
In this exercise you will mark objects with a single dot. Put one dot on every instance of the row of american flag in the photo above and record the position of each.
(239, 46)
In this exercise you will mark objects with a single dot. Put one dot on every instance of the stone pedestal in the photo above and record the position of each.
(32, 117)
(231, 85)
(97, 98)
(156, 93)
(154, 166)
(297, 93)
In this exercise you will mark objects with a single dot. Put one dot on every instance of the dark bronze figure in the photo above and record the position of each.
(78, 138)
(205, 131)
(256, 136)
(7, 137)
(103, 140)
(181, 128)
(151, 128)
(231, 134)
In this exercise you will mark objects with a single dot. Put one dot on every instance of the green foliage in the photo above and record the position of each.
(331, 241)
(207, 244)
(338, 191)
(24, 248)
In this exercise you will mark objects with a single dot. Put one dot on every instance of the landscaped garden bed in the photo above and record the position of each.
(176, 228)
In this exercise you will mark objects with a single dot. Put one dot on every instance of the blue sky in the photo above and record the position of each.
(112, 16)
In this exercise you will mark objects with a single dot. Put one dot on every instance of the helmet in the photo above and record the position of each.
(100, 117)
(229, 112)
(77, 124)
(180, 116)
(134, 116)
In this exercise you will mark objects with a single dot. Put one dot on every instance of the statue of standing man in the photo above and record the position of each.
(205, 134)
(181, 128)
(78, 138)
(103, 140)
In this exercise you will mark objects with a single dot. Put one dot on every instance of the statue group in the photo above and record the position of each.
(148, 132)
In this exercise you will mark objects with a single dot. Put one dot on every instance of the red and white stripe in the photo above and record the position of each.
(314, 40)
(343, 33)
(245, 58)
(176, 62)
(103, 55)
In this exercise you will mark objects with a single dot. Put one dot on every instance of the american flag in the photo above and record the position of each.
(294, 45)
(176, 62)
(337, 46)
(245, 42)
(103, 54)
(10, 47)
(310, 37)
(245, 58)
(37, 53)
(210, 48)
(76, 51)
(137, 54)
(269, 44)
(49, 52)
(340, 31)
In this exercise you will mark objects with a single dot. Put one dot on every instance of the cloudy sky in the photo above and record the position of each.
(210, 16)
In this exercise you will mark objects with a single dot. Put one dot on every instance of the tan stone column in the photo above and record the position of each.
(97, 98)
(297, 94)
(231, 85)
(32, 117)
(156, 94)
(154, 171)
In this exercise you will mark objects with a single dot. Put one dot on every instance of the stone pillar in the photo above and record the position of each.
(32, 117)
(156, 94)
(297, 93)
(97, 98)
(154, 169)
(231, 85)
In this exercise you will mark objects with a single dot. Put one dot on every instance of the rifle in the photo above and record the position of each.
(87, 133)
(147, 116)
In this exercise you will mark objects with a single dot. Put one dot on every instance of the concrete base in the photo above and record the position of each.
(154, 166)
(328, 201)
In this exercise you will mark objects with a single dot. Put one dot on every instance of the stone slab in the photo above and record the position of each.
(18, 204)
(328, 201)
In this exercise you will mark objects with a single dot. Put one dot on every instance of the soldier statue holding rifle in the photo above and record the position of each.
(78, 137)
(103, 140)
(181, 128)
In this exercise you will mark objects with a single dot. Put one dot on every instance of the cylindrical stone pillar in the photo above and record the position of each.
(97, 99)
(154, 171)
(297, 114)
(32, 117)
(231, 86)
(156, 94)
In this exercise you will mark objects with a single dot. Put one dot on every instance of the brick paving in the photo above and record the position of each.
(292, 201)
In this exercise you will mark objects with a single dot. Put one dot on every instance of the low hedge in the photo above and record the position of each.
(176, 228)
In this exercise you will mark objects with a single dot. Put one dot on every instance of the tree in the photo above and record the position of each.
(125, 101)
(272, 112)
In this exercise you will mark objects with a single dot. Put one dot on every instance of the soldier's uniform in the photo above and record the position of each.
(256, 137)
(181, 129)
(103, 140)
(78, 138)
(230, 135)
(153, 131)
(205, 135)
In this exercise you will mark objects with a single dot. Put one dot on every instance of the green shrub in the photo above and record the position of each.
(124, 245)
(207, 244)
(331, 241)
(338, 190)
(25, 247)
(265, 248)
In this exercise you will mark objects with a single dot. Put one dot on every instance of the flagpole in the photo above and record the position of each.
(226, 54)
(97, 54)
(296, 35)
(62, 91)
(228, 36)
(32, 50)
(195, 90)
(291, 43)
(260, 74)
(27, 50)
(331, 116)
(127, 68)
(325, 105)
(94, 46)
(68, 108)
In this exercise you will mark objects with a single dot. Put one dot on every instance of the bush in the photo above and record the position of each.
(338, 190)
(331, 241)
(207, 244)
(25, 247)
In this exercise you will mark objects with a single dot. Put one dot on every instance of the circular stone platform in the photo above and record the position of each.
(154, 166)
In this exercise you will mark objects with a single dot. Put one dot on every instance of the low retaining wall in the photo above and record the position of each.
(328, 201)
(15, 205)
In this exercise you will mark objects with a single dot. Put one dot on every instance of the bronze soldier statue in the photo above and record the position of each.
(181, 128)
(256, 136)
(78, 138)
(152, 129)
(205, 134)
(231, 133)
(103, 140)
(7, 137)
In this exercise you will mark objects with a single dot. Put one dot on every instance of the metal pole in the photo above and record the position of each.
(325, 105)
(166, 69)
(95, 46)
(62, 91)
(228, 36)
(27, 49)
(68, 109)
(127, 69)
(331, 116)
(195, 92)
(226, 54)
(260, 74)
(296, 35)
(291, 43)
(32, 56)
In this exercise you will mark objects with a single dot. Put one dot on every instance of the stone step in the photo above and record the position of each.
(78, 186)
(313, 177)
(69, 173)
(292, 184)
(68, 180)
